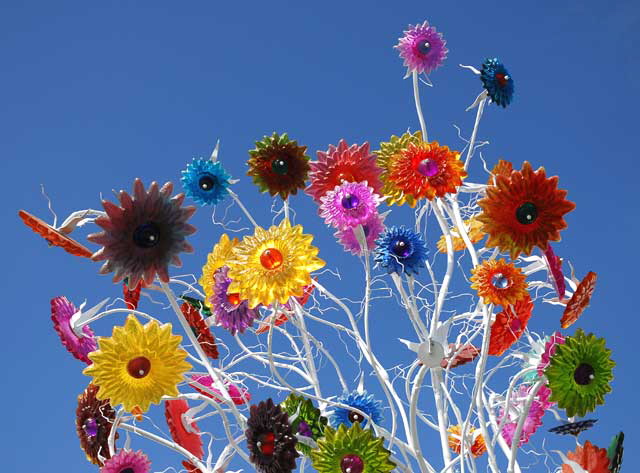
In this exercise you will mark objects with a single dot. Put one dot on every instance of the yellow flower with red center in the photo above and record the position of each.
(499, 282)
(524, 210)
(474, 231)
(478, 447)
(138, 364)
(218, 258)
(273, 265)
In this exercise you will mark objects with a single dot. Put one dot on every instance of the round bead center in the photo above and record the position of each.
(90, 427)
(233, 298)
(515, 325)
(355, 417)
(266, 443)
(350, 201)
(279, 166)
(584, 374)
(351, 464)
(424, 47)
(428, 167)
(401, 248)
(206, 183)
(500, 281)
(127, 470)
(271, 258)
(146, 235)
(139, 367)
(527, 213)
(502, 79)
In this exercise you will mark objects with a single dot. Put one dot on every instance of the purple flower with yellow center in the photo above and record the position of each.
(230, 311)
(349, 204)
(422, 48)
(372, 229)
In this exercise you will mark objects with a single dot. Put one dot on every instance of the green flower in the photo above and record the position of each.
(307, 419)
(354, 449)
(579, 373)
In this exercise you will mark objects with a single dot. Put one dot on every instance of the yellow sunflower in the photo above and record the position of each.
(474, 230)
(273, 265)
(138, 364)
(221, 253)
(386, 158)
(499, 282)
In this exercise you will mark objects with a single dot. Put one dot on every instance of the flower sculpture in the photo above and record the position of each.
(200, 330)
(400, 250)
(474, 231)
(94, 421)
(349, 204)
(475, 441)
(305, 419)
(205, 181)
(230, 311)
(422, 48)
(53, 236)
(79, 346)
(362, 401)
(499, 282)
(371, 228)
(509, 326)
(190, 440)
(579, 301)
(497, 81)
(593, 459)
(127, 461)
(219, 256)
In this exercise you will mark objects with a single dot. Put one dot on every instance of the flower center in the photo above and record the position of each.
(355, 417)
(502, 79)
(139, 367)
(584, 374)
(527, 213)
(350, 201)
(207, 182)
(146, 235)
(345, 176)
(304, 429)
(127, 470)
(424, 47)
(428, 167)
(366, 230)
(500, 281)
(351, 464)
(233, 298)
(279, 166)
(90, 427)
(401, 248)
(266, 443)
(515, 325)
(271, 258)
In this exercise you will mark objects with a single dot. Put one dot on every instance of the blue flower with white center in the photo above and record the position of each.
(362, 401)
(497, 82)
(400, 249)
(205, 181)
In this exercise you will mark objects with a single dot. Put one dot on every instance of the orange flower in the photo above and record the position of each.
(455, 435)
(589, 457)
(474, 230)
(509, 326)
(524, 210)
(499, 282)
(503, 168)
(579, 301)
(53, 236)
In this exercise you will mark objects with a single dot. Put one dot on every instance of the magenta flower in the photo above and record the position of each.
(549, 350)
(129, 461)
(61, 312)
(238, 395)
(349, 204)
(373, 227)
(554, 265)
(422, 48)
(533, 420)
(230, 312)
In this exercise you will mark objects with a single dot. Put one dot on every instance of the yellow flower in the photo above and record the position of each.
(273, 265)
(218, 257)
(138, 364)
(387, 156)
(474, 230)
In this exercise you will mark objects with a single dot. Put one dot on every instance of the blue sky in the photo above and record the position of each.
(97, 94)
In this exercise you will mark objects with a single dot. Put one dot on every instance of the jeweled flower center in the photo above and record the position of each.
(351, 464)
(90, 427)
(139, 367)
(233, 298)
(502, 79)
(584, 374)
(515, 325)
(428, 167)
(127, 470)
(207, 182)
(350, 201)
(271, 258)
(355, 416)
(345, 176)
(304, 429)
(424, 47)
(146, 235)
(527, 213)
(279, 166)
(401, 248)
(266, 443)
(500, 281)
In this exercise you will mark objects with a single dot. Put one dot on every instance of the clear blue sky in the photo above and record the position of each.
(94, 94)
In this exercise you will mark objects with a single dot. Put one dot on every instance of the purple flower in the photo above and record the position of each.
(373, 227)
(422, 48)
(232, 313)
(61, 312)
(349, 204)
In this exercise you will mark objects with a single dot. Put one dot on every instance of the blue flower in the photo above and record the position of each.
(400, 249)
(497, 81)
(205, 181)
(362, 401)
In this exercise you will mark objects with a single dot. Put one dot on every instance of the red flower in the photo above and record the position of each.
(579, 301)
(200, 329)
(53, 236)
(191, 441)
(509, 326)
(589, 457)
